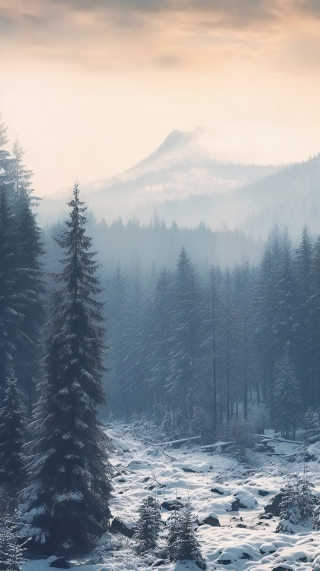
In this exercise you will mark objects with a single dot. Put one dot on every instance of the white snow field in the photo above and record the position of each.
(215, 484)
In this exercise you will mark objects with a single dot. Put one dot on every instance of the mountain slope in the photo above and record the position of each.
(290, 198)
(183, 182)
(179, 168)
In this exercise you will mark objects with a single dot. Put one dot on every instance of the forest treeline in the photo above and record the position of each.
(197, 348)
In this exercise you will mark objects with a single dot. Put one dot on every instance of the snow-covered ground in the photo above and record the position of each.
(213, 483)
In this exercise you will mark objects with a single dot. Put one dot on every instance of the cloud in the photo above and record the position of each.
(164, 34)
(167, 61)
(231, 11)
(309, 7)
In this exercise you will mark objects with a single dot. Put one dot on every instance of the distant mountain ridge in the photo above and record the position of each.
(183, 181)
(178, 168)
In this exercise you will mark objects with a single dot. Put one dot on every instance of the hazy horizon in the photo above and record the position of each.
(90, 88)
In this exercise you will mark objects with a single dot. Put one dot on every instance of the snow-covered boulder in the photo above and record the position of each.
(246, 500)
(274, 507)
(118, 526)
(211, 519)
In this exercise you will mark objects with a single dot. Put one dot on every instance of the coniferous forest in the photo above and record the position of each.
(200, 348)
(197, 348)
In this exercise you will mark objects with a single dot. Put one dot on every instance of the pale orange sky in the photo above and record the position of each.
(92, 86)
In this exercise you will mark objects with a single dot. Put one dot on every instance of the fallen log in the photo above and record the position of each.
(277, 439)
(181, 441)
(217, 445)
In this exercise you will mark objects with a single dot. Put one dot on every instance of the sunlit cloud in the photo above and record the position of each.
(104, 81)
(120, 33)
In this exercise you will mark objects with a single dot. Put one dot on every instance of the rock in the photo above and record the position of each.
(270, 448)
(241, 525)
(309, 457)
(60, 563)
(201, 564)
(267, 548)
(158, 563)
(171, 505)
(213, 521)
(266, 516)
(246, 500)
(235, 505)
(117, 526)
(260, 448)
(281, 568)
(263, 493)
(217, 491)
(186, 469)
(274, 507)
(246, 556)
(224, 561)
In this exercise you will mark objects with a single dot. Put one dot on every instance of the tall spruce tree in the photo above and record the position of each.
(20, 283)
(12, 431)
(182, 541)
(10, 299)
(184, 317)
(11, 550)
(303, 306)
(69, 490)
(287, 396)
(29, 284)
(148, 525)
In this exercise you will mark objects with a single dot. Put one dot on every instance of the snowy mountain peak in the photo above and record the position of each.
(179, 150)
(177, 139)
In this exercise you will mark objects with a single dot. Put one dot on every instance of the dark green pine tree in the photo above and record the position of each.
(299, 505)
(12, 431)
(11, 551)
(183, 354)
(159, 343)
(28, 252)
(148, 525)
(69, 490)
(3, 133)
(182, 540)
(10, 299)
(302, 331)
(314, 314)
(287, 395)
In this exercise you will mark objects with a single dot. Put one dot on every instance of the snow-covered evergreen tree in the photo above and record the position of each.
(28, 252)
(20, 283)
(303, 306)
(298, 505)
(12, 430)
(69, 491)
(182, 541)
(11, 550)
(183, 358)
(10, 297)
(311, 420)
(287, 400)
(148, 525)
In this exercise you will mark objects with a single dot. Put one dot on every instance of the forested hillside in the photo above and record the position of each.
(199, 347)
(208, 327)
